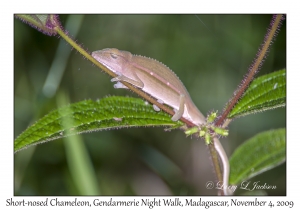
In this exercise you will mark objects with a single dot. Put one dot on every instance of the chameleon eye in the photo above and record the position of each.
(114, 56)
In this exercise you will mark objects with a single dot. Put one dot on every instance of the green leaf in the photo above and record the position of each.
(264, 93)
(262, 152)
(88, 115)
(44, 23)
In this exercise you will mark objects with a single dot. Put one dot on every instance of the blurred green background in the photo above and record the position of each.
(210, 59)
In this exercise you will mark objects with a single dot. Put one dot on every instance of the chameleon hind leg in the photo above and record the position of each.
(178, 113)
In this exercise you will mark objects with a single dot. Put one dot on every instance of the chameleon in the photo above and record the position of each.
(154, 78)
(159, 81)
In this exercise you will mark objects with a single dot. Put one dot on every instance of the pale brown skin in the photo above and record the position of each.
(154, 78)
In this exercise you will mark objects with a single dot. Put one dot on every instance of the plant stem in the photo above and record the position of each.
(254, 68)
(141, 93)
(216, 164)
(225, 166)
(222, 120)
(212, 149)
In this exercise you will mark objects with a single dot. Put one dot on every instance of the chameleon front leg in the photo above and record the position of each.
(138, 83)
(178, 113)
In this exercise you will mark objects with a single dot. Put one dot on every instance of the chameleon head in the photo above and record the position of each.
(112, 58)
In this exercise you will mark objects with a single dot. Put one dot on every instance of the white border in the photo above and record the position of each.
(154, 6)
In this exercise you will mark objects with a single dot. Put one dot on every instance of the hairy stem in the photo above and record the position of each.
(254, 68)
(216, 163)
(217, 148)
(212, 149)
(225, 166)
(141, 93)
